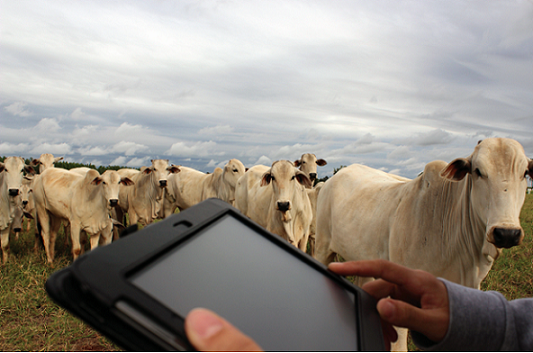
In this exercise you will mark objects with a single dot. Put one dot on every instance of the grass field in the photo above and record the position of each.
(30, 321)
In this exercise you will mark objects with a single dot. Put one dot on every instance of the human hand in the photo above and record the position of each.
(418, 300)
(209, 332)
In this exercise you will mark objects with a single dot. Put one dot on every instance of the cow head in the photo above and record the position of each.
(13, 169)
(160, 171)
(285, 180)
(110, 183)
(308, 164)
(497, 170)
(233, 170)
(45, 161)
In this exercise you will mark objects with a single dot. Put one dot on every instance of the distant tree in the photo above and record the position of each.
(324, 179)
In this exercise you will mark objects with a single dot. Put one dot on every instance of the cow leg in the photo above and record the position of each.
(44, 220)
(75, 238)
(4, 235)
(55, 224)
(303, 243)
(95, 238)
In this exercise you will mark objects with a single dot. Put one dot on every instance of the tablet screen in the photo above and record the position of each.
(268, 293)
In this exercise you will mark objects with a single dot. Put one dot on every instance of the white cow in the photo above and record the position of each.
(84, 201)
(308, 164)
(189, 187)
(45, 161)
(11, 173)
(276, 199)
(313, 197)
(144, 200)
(450, 221)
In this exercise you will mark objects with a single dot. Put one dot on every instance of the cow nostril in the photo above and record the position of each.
(24, 203)
(506, 237)
(13, 192)
(113, 202)
(162, 183)
(283, 206)
(312, 176)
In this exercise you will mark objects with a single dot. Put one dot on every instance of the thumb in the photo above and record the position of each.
(209, 332)
(429, 322)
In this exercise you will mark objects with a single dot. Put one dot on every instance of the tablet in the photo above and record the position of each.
(138, 290)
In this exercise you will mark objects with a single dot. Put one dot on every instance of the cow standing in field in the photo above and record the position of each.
(189, 187)
(11, 173)
(450, 221)
(144, 200)
(84, 201)
(308, 164)
(276, 199)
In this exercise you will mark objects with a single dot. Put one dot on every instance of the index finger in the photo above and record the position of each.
(386, 270)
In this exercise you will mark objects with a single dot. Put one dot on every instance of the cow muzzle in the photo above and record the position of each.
(113, 202)
(312, 176)
(13, 192)
(163, 183)
(506, 237)
(284, 206)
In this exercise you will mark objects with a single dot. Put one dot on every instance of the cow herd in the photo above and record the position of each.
(452, 220)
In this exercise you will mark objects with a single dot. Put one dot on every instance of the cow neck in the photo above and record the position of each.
(462, 230)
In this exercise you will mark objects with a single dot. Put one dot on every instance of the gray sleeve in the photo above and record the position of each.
(483, 321)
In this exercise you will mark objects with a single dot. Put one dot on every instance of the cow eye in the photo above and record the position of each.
(294, 176)
(272, 178)
(478, 173)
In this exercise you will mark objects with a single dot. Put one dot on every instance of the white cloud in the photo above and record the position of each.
(264, 160)
(216, 130)
(138, 162)
(18, 109)
(119, 161)
(77, 114)
(7, 148)
(198, 149)
(47, 125)
(56, 149)
(128, 148)
(92, 151)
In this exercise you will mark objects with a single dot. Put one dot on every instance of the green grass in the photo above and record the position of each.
(30, 321)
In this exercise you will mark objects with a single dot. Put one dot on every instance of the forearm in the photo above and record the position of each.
(483, 321)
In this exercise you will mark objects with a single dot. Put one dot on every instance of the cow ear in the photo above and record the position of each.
(267, 177)
(146, 170)
(304, 180)
(530, 168)
(246, 169)
(174, 169)
(297, 163)
(35, 162)
(457, 169)
(29, 169)
(321, 162)
(96, 181)
(57, 159)
(126, 181)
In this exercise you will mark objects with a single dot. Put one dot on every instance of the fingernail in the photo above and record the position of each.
(204, 323)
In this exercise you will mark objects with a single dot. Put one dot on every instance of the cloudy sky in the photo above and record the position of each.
(390, 84)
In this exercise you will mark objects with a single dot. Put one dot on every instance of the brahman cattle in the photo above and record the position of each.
(144, 200)
(45, 161)
(11, 173)
(308, 164)
(190, 186)
(276, 199)
(450, 221)
(84, 201)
